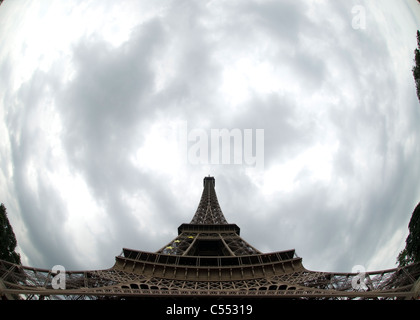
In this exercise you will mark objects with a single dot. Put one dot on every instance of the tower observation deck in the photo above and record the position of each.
(208, 258)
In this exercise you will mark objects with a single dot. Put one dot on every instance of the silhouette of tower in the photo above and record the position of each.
(209, 258)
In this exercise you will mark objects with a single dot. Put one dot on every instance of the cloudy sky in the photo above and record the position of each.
(107, 109)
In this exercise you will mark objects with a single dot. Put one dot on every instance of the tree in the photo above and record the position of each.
(7, 239)
(411, 252)
(416, 67)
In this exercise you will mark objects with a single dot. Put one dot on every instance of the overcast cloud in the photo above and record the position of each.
(94, 96)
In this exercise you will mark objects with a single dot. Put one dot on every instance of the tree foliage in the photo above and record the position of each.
(7, 239)
(411, 252)
(416, 67)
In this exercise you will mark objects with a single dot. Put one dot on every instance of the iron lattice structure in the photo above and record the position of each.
(208, 258)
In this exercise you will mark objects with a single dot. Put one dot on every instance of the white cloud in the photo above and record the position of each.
(92, 96)
(162, 150)
(381, 259)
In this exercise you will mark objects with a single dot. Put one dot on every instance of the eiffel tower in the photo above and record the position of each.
(208, 258)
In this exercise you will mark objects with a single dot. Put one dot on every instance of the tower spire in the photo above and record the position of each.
(208, 258)
(209, 211)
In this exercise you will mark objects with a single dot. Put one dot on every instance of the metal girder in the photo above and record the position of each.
(30, 284)
(208, 258)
